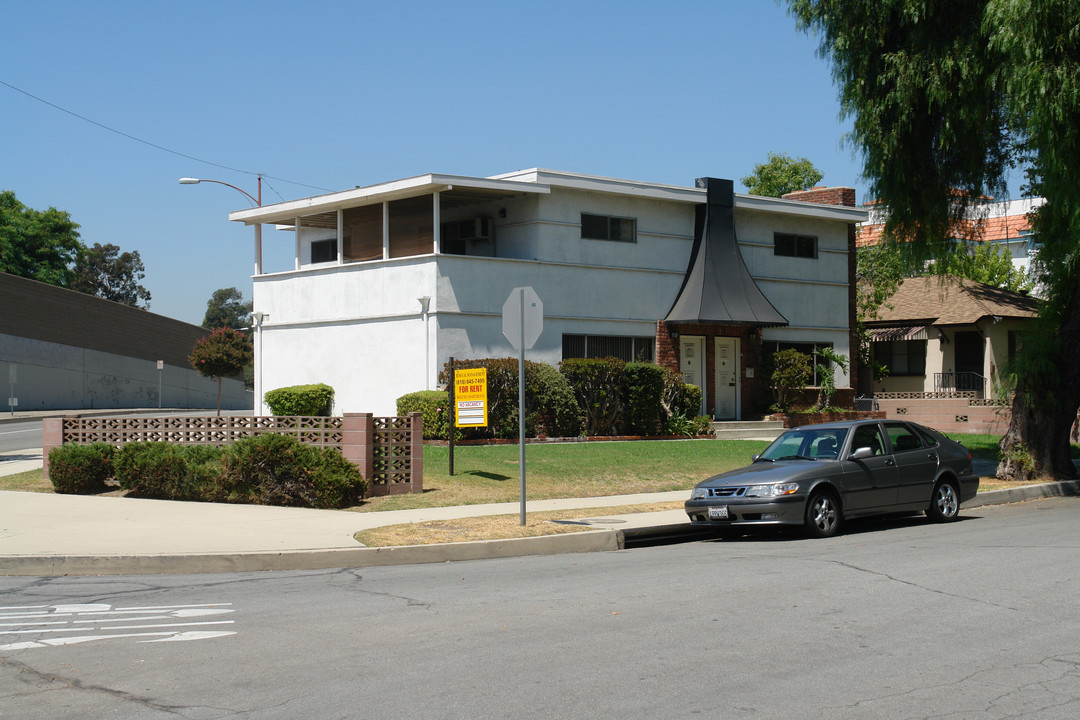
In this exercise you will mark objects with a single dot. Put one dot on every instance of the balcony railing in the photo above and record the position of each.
(960, 382)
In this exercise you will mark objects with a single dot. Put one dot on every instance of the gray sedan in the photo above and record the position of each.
(817, 476)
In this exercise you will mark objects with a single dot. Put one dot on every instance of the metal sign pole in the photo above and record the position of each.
(452, 414)
(521, 403)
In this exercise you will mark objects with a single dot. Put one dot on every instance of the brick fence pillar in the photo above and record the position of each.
(52, 436)
(357, 441)
(416, 451)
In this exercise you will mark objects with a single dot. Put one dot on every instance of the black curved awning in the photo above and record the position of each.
(718, 288)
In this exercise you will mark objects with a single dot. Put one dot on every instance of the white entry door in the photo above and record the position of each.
(692, 363)
(727, 378)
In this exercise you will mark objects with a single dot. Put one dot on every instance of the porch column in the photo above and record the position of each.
(340, 237)
(296, 257)
(385, 230)
(258, 249)
(437, 244)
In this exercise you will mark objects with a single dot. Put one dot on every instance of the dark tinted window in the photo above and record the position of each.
(902, 438)
(868, 436)
(324, 251)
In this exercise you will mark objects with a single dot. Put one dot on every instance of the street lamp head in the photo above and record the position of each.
(189, 181)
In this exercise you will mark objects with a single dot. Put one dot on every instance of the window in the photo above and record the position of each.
(902, 357)
(868, 436)
(806, 348)
(324, 251)
(902, 438)
(605, 227)
(803, 246)
(630, 349)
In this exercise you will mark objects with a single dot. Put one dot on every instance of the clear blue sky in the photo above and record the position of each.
(340, 94)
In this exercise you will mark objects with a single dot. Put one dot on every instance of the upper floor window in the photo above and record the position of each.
(606, 227)
(804, 246)
(324, 251)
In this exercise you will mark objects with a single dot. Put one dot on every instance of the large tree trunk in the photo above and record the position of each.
(1044, 409)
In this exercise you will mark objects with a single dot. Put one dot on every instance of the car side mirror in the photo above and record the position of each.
(754, 458)
(862, 453)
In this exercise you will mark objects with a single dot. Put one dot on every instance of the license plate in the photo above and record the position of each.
(718, 513)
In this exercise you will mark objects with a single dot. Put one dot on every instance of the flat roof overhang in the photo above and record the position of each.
(321, 210)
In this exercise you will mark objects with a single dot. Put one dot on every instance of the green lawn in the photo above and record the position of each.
(487, 474)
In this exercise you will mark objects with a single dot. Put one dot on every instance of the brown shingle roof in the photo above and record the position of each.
(950, 300)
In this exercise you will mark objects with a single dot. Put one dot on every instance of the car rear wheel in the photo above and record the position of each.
(945, 503)
(822, 515)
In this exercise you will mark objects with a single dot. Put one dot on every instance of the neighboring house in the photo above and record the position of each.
(65, 350)
(391, 280)
(947, 334)
(1003, 222)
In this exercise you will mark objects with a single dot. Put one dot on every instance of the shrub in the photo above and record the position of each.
(308, 400)
(598, 387)
(549, 402)
(434, 406)
(169, 471)
(81, 469)
(791, 371)
(274, 469)
(644, 398)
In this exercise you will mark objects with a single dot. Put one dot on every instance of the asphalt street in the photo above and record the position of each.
(894, 619)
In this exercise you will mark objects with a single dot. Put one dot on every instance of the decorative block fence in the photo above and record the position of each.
(958, 412)
(389, 451)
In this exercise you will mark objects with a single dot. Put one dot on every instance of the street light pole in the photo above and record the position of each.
(256, 200)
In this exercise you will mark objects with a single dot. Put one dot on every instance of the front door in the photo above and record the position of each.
(727, 378)
(969, 360)
(692, 363)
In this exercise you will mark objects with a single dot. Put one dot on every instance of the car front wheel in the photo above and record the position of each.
(945, 503)
(822, 515)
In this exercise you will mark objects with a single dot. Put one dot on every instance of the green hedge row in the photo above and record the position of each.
(307, 400)
(267, 469)
(583, 396)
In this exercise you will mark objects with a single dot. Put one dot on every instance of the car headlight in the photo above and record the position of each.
(774, 490)
(699, 493)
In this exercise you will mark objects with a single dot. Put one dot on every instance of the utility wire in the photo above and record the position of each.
(159, 147)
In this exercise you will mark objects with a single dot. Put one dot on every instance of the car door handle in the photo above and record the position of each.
(890, 462)
(932, 456)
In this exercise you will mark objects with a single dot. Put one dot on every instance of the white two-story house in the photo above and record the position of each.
(391, 280)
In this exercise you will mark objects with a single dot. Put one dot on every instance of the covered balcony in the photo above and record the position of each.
(427, 214)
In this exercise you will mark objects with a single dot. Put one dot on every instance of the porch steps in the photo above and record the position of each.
(748, 429)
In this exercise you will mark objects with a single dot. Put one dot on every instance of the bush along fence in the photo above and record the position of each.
(388, 451)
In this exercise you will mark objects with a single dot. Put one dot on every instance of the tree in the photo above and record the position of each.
(781, 175)
(946, 97)
(105, 272)
(37, 244)
(982, 262)
(223, 353)
(226, 308)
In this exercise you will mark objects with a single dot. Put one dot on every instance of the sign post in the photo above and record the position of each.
(523, 321)
(13, 401)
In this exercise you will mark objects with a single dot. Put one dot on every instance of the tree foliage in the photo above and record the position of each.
(946, 97)
(105, 272)
(780, 175)
(226, 308)
(37, 244)
(223, 353)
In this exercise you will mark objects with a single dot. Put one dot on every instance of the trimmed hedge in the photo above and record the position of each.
(306, 400)
(168, 471)
(598, 385)
(550, 407)
(644, 398)
(274, 469)
(267, 469)
(433, 405)
(81, 469)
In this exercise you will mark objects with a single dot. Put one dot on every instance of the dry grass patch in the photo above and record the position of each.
(29, 481)
(496, 527)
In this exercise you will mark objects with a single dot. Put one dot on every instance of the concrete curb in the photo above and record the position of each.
(1061, 488)
(58, 565)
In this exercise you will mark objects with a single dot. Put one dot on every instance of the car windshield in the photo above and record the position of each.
(806, 444)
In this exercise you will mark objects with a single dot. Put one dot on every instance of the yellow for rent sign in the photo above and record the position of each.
(470, 397)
